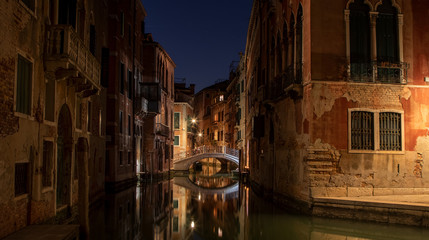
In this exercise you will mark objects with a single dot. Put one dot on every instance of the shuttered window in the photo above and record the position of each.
(23, 86)
(176, 120)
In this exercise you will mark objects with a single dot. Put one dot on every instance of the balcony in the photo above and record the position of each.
(162, 130)
(379, 72)
(140, 106)
(67, 57)
(152, 92)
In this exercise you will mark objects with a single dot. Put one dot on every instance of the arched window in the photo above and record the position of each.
(67, 12)
(285, 44)
(291, 55)
(279, 54)
(387, 33)
(360, 45)
(299, 38)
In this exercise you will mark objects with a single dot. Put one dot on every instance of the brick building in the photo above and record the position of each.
(124, 57)
(336, 97)
(158, 89)
(51, 102)
(210, 108)
(185, 124)
(236, 114)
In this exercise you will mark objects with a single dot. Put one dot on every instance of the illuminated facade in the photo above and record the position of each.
(336, 98)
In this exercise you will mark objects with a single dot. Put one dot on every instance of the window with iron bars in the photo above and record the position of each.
(375, 131)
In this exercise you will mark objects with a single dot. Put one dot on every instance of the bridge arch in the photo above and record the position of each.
(183, 161)
(187, 183)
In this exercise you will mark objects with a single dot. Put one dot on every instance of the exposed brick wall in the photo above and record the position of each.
(8, 122)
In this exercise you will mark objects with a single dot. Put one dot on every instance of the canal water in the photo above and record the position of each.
(219, 207)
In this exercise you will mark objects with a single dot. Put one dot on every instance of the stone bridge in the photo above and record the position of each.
(182, 161)
(187, 183)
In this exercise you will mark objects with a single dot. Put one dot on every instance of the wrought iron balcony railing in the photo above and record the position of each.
(380, 72)
(64, 47)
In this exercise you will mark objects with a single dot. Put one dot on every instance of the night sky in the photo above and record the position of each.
(202, 37)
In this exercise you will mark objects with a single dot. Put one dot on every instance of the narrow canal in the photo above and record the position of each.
(218, 206)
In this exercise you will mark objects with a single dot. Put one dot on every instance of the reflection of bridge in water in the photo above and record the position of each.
(182, 161)
(187, 183)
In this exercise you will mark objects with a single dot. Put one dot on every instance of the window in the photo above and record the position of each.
(92, 39)
(176, 120)
(120, 122)
(176, 140)
(390, 131)
(75, 174)
(299, 41)
(121, 161)
(122, 26)
(31, 4)
(78, 112)
(385, 64)
(387, 33)
(24, 85)
(371, 130)
(67, 13)
(129, 125)
(48, 155)
(175, 203)
(50, 100)
(129, 160)
(175, 224)
(362, 130)
(121, 78)
(129, 34)
(89, 116)
(360, 45)
(221, 98)
(21, 179)
(105, 54)
(130, 84)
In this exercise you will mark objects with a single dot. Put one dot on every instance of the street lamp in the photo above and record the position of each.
(194, 120)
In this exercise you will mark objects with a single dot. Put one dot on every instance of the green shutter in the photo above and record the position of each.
(176, 120)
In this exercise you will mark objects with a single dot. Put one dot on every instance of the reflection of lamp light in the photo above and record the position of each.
(192, 224)
(199, 196)
(219, 232)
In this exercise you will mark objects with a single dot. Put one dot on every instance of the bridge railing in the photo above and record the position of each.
(206, 149)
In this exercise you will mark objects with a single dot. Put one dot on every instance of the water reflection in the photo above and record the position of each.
(166, 210)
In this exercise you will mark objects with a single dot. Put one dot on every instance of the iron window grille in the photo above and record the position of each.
(376, 131)
(362, 130)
